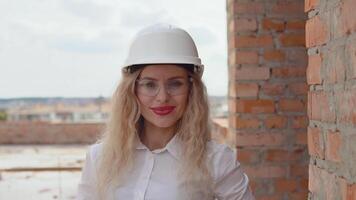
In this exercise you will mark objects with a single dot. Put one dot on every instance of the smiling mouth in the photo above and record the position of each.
(164, 110)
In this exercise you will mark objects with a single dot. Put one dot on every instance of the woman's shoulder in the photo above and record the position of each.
(217, 150)
(94, 151)
(222, 159)
(230, 182)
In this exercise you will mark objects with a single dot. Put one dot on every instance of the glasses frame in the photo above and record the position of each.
(189, 83)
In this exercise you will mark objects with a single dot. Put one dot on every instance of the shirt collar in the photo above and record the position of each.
(173, 147)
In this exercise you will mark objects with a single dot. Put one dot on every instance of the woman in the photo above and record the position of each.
(157, 142)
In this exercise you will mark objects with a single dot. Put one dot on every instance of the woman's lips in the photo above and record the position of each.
(163, 110)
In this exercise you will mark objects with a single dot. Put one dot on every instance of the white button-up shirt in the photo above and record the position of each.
(155, 173)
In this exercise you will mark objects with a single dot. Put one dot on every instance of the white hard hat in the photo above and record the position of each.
(163, 44)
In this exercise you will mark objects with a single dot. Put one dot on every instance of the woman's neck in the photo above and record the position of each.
(156, 137)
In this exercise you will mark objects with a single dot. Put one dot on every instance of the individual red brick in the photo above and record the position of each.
(231, 27)
(321, 106)
(313, 109)
(286, 185)
(298, 195)
(316, 32)
(329, 183)
(273, 24)
(281, 155)
(246, 57)
(298, 88)
(252, 73)
(313, 70)
(299, 122)
(231, 58)
(253, 41)
(273, 88)
(346, 22)
(315, 181)
(242, 123)
(296, 25)
(327, 107)
(292, 40)
(303, 184)
(348, 191)
(247, 156)
(231, 42)
(265, 171)
(343, 187)
(333, 145)
(275, 121)
(345, 101)
(301, 138)
(315, 142)
(259, 139)
(255, 106)
(288, 8)
(274, 55)
(299, 170)
(232, 105)
(248, 8)
(351, 54)
(232, 72)
(286, 72)
(245, 24)
(230, 6)
(310, 4)
(246, 90)
(268, 196)
(292, 105)
(232, 88)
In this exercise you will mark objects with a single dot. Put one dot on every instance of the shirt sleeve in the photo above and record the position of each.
(231, 183)
(87, 187)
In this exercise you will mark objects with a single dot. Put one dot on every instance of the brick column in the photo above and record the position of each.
(331, 75)
(267, 94)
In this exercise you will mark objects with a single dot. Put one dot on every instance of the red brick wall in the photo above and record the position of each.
(331, 76)
(65, 133)
(267, 94)
(46, 133)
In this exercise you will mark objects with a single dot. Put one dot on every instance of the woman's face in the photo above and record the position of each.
(162, 91)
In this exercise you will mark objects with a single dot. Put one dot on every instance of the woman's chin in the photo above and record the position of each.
(164, 123)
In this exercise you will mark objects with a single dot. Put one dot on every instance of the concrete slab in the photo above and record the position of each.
(37, 172)
(39, 185)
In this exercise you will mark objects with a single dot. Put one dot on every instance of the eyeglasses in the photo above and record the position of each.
(150, 87)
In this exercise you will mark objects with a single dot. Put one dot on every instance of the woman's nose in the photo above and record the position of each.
(162, 94)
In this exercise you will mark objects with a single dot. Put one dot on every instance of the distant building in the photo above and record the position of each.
(218, 107)
(61, 113)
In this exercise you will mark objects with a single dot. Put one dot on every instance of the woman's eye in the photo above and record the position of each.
(150, 85)
(175, 84)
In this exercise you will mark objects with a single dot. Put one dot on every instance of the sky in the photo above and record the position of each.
(75, 48)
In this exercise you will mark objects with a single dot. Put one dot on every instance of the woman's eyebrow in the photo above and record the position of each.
(154, 79)
(147, 78)
(176, 77)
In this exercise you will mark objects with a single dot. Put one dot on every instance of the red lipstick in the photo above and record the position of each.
(163, 110)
